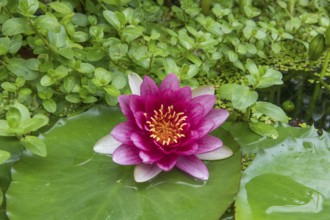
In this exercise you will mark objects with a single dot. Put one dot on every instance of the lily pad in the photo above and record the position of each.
(73, 182)
(289, 177)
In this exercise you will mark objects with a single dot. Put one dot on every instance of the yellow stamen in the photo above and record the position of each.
(166, 127)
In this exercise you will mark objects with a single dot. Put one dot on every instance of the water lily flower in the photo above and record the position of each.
(167, 126)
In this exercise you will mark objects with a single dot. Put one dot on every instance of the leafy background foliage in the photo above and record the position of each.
(268, 61)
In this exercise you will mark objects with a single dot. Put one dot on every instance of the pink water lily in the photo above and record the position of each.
(166, 127)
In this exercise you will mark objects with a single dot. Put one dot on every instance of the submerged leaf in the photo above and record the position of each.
(289, 175)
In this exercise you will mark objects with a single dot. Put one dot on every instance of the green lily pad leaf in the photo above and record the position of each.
(14, 148)
(104, 190)
(289, 176)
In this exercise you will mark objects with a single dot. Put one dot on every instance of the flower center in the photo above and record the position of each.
(166, 126)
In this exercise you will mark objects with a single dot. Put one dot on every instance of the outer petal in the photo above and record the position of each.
(126, 155)
(218, 154)
(203, 129)
(193, 166)
(136, 103)
(134, 81)
(207, 101)
(217, 116)
(123, 131)
(149, 157)
(188, 149)
(140, 119)
(194, 112)
(168, 162)
(145, 172)
(148, 87)
(124, 103)
(203, 90)
(142, 142)
(106, 145)
(208, 143)
(182, 94)
(171, 82)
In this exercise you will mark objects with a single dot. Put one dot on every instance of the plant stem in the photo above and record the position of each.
(300, 93)
(205, 5)
(316, 92)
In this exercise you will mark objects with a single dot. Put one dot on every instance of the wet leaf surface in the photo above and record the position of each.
(289, 177)
(73, 182)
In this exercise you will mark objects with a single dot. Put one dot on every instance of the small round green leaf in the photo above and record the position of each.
(271, 110)
(4, 45)
(13, 117)
(14, 26)
(73, 98)
(112, 19)
(23, 68)
(4, 155)
(28, 7)
(316, 47)
(35, 145)
(49, 105)
(48, 22)
(111, 90)
(61, 7)
(240, 96)
(117, 51)
(263, 129)
(35, 123)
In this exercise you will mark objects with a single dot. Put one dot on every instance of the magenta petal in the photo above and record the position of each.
(195, 113)
(125, 106)
(208, 143)
(151, 156)
(218, 116)
(205, 127)
(168, 162)
(123, 131)
(142, 142)
(193, 166)
(183, 94)
(140, 119)
(171, 82)
(126, 155)
(145, 172)
(136, 103)
(148, 87)
(207, 101)
(189, 149)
